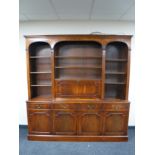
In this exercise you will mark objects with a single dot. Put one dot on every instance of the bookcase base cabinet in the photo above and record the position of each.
(78, 122)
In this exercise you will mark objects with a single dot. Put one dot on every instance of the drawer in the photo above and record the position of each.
(64, 106)
(38, 106)
(89, 106)
(115, 107)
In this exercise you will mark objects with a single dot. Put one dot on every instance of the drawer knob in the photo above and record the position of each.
(117, 108)
(64, 106)
(91, 106)
(38, 106)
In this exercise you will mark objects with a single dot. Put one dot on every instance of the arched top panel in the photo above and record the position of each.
(117, 50)
(40, 49)
(77, 48)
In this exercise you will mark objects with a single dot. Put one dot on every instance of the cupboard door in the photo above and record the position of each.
(39, 121)
(115, 123)
(90, 123)
(66, 88)
(65, 122)
(89, 89)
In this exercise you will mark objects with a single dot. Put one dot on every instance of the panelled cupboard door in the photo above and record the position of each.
(90, 123)
(89, 88)
(78, 88)
(65, 122)
(66, 88)
(39, 121)
(115, 123)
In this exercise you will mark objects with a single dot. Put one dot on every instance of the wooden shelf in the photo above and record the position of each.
(117, 60)
(117, 83)
(36, 57)
(41, 98)
(79, 57)
(113, 72)
(41, 85)
(76, 67)
(76, 78)
(40, 72)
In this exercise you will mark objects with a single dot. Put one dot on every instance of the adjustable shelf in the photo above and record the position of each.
(117, 60)
(115, 72)
(79, 57)
(115, 83)
(77, 67)
(48, 72)
(40, 57)
(41, 85)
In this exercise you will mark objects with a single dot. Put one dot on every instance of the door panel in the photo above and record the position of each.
(89, 89)
(39, 121)
(90, 123)
(66, 88)
(115, 123)
(64, 122)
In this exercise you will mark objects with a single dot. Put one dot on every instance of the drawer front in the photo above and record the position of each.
(115, 107)
(64, 106)
(89, 106)
(78, 106)
(38, 106)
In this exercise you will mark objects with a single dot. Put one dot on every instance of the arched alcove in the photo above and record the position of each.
(116, 56)
(39, 49)
(40, 69)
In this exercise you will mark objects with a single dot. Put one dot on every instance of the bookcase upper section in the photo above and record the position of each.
(78, 66)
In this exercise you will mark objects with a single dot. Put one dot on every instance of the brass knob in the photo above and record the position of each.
(91, 106)
(38, 106)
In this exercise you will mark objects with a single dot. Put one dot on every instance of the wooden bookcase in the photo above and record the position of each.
(78, 87)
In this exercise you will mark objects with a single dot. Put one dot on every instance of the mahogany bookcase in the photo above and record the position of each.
(78, 87)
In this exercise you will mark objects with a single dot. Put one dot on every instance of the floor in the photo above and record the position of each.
(75, 148)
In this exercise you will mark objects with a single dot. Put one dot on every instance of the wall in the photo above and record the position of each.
(72, 27)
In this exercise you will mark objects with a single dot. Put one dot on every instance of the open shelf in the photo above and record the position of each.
(40, 57)
(42, 85)
(119, 83)
(77, 67)
(117, 60)
(47, 72)
(79, 57)
(42, 98)
(114, 72)
(77, 78)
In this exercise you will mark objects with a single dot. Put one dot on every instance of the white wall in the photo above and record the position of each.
(72, 27)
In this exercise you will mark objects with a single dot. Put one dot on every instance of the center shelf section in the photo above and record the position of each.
(78, 60)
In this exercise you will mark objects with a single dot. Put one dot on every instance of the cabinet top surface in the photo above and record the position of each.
(79, 35)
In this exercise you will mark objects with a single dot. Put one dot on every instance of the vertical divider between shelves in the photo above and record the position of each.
(127, 75)
(103, 73)
(28, 70)
(52, 73)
